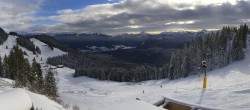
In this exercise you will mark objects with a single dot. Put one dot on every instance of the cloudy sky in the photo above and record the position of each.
(121, 16)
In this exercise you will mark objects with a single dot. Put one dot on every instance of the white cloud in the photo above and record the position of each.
(180, 23)
(246, 20)
(134, 26)
(18, 14)
(199, 2)
(65, 11)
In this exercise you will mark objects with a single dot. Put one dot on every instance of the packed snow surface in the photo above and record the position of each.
(15, 99)
(227, 88)
(21, 99)
(42, 102)
(133, 105)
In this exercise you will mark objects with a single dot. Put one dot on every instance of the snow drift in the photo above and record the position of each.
(15, 99)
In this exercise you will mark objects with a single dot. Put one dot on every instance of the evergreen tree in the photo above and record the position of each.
(12, 64)
(21, 78)
(185, 66)
(50, 85)
(237, 51)
(165, 70)
(6, 73)
(36, 77)
(243, 35)
(1, 68)
(19, 67)
(38, 50)
(172, 66)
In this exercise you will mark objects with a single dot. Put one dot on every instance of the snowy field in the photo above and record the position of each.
(227, 88)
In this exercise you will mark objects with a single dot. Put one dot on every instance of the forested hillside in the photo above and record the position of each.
(3, 36)
(50, 41)
(18, 68)
(219, 49)
(15, 65)
(104, 67)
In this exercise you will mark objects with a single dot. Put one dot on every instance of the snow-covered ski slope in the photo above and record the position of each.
(227, 88)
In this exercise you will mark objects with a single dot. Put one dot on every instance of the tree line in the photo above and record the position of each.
(16, 67)
(104, 67)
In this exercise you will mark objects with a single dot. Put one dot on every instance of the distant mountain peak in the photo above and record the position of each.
(204, 30)
(143, 33)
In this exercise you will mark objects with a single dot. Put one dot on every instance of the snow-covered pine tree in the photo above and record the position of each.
(185, 62)
(38, 50)
(1, 68)
(237, 51)
(165, 70)
(192, 57)
(19, 66)
(50, 85)
(172, 66)
(5, 67)
(21, 78)
(178, 63)
(243, 35)
(36, 77)
(12, 64)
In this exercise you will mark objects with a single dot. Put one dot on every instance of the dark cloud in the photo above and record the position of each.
(153, 17)
(136, 16)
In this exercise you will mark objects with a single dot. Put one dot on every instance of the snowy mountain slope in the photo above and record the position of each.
(46, 52)
(10, 42)
(39, 101)
(227, 88)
